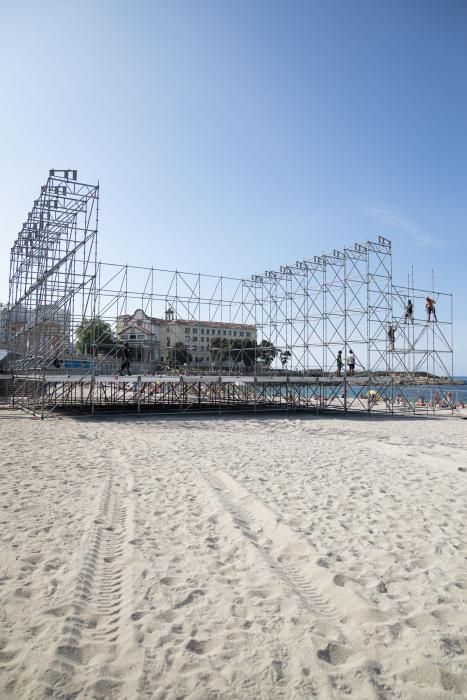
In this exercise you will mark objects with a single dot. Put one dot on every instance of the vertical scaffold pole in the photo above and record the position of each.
(93, 383)
(454, 403)
(43, 393)
(345, 332)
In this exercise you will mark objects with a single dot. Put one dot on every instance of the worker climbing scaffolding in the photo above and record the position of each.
(430, 309)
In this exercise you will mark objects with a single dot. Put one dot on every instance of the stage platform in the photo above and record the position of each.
(169, 393)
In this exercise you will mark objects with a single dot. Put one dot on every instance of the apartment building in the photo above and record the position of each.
(41, 331)
(196, 336)
(4, 317)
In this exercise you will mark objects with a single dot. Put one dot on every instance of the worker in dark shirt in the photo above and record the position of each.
(339, 363)
(409, 312)
(125, 365)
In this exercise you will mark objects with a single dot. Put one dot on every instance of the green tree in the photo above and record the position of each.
(219, 350)
(179, 356)
(243, 350)
(284, 357)
(236, 350)
(94, 336)
(266, 352)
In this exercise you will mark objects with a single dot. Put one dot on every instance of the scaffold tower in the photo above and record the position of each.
(53, 272)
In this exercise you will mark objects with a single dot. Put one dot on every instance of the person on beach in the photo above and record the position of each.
(125, 365)
(430, 309)
(391, 337)
(409, 312)
(339, 363)
(351, 362)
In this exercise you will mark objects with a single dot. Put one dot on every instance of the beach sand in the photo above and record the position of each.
(289, 557)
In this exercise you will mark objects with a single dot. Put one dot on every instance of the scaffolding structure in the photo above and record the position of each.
(52, 276)
(269, 341)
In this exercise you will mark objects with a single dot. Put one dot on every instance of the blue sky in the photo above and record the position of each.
(237, 136)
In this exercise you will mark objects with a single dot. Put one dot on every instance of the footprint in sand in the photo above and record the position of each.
(334, 654)
(190, 598)
(196, 646)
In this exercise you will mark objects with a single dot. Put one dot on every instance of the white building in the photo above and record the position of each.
(154, 339)
(142, 333)
(196, 337)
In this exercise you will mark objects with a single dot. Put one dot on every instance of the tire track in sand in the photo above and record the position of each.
(94, 631)
(288, 555)
(263, 528)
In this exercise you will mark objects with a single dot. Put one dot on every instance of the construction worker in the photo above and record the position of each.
(339, 363)
(125, 365)
(409, 312)
(430, 309)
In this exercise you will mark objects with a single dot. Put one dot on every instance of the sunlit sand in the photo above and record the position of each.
(233, 558)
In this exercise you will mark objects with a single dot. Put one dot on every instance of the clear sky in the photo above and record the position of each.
(237, 136)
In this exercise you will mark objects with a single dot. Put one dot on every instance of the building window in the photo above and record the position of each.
(248, 334)
(187, 330)
(235, 332)
(133, 337)
(230, 332)
(241, 333)
(225, 332)
(202, 331)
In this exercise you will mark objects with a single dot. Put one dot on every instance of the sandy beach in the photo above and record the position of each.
(299, 557)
